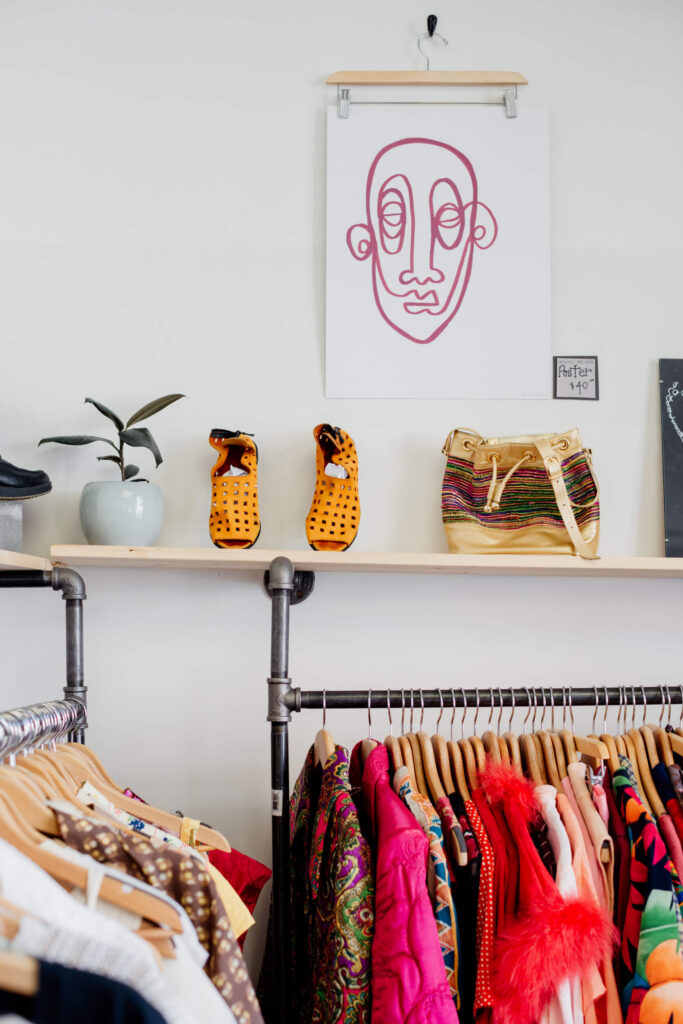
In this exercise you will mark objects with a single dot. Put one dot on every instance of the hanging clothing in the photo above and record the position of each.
(187, 882)
(549, 939)
(651, 926)
(332, 898)
(486, 915)
(65, 994)
(465, 888)
(408, 978)
(440, 885)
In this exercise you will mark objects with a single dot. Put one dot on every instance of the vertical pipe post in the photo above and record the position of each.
(280, 585)
(73, 592)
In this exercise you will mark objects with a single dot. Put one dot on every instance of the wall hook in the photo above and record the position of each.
(431, 33)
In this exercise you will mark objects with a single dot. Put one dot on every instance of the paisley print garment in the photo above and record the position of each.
(652, 969)
(333, 897)
(187, 882)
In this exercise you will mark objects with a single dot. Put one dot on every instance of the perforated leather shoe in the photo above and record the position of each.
(234, 520)
(17, 484)
(334, 517)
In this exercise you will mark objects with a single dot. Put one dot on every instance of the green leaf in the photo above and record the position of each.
(140, 437)
(151, 408)
(109, 458)
(130, 471)
(77, 439)
(107, 412)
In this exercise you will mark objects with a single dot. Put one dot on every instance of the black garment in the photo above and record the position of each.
(68, 996)
(465, 890)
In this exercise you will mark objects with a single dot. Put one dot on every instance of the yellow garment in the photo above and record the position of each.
(238, 914)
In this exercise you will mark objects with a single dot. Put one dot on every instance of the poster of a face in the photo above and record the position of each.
(438, 253)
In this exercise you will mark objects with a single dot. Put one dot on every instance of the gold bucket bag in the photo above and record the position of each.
(532, 495)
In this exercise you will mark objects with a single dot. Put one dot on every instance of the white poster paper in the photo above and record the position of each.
(438, 253)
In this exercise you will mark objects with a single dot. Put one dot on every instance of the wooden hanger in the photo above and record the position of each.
(440, 750)
(323, 744)
(416, 751)
(21, 834)
(147, 812)
(490, 738)
(649, 787)
(19, 974)
(391, 742)
(431, 771)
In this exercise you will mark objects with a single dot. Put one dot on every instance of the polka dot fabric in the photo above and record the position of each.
(483, 996)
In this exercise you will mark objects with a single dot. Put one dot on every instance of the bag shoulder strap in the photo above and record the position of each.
(553, 467)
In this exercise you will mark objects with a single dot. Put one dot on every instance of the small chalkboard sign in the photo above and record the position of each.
(576, 377)
(671, 401)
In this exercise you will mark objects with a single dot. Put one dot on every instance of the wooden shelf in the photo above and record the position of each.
(258, 559)
(17, 560)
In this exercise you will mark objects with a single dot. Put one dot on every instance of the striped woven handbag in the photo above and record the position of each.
(520, 495)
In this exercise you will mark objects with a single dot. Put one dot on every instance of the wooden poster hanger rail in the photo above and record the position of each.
(509, 80)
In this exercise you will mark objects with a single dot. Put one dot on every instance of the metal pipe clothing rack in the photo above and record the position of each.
(288, 587)
(73, 592)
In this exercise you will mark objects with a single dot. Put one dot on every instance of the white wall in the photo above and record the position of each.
(161, 229)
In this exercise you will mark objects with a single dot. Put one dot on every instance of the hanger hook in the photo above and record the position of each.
(633, 699)
(412, 708)
(403, 711)
(595, 708)
(552, 709)
(324, 709)
(464, 712)
(500, 713)
(369, 714)
(662, 701)
(512, 708)
(438, 721)
(422, 709)
(430, 34)
(528, 704)
(533, 721)
(391, 721)
(476, 714)
(644, 704)
(604, 721)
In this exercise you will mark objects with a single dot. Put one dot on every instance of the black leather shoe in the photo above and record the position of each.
(16, 484)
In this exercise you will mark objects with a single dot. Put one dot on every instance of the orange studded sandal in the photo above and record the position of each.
(234, 518)
(333, 520)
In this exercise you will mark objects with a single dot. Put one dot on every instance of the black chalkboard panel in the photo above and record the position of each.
(671, 399)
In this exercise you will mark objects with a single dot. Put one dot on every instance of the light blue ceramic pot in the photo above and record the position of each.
(128, 514)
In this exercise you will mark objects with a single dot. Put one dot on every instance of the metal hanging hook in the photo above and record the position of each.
(438, 721)
(403, 712)
(412, 708)
(453, 711)
(464, 712)
(391, 721)
(324, 709)
(552, 709)
(595, 708)
(662, 701)
(633, 702)
(644, 703)
(544, 707)
(604, 721)
(369, 714)
(500, 713)
(528, 704)
(422, 706)
(431, 33)
(512, 708)
(476, 714)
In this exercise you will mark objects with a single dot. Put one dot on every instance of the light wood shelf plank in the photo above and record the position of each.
(427, 78)
(258, 559)
(18, 560)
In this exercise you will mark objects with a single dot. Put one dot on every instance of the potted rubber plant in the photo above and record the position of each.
(128, 511)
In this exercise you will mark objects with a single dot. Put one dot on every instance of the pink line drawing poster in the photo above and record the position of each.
(438, 253)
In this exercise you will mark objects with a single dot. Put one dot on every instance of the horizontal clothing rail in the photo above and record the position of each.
(33, 725)
(487, 697)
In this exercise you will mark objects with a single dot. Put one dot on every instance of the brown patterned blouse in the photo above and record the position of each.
(184, 879)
